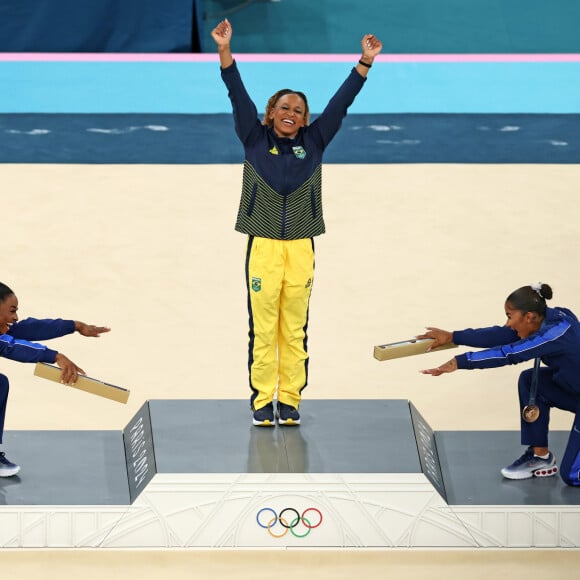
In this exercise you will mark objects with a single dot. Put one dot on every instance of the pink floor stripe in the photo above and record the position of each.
(320, 58)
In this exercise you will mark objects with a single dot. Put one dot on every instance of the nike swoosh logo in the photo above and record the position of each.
(576, 429)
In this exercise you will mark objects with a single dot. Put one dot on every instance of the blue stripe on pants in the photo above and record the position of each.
(4, 388)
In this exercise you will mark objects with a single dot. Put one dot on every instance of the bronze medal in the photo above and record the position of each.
(530, 413)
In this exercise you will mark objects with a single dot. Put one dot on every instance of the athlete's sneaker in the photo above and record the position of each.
(7, 468)
(287, 414)
(264, 417)
(530, 465)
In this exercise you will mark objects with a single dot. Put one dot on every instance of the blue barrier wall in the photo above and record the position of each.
(291, 26)
(405, 26)
(97, 26)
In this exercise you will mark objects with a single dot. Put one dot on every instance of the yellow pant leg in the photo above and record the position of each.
(294, 303)
(264, 275)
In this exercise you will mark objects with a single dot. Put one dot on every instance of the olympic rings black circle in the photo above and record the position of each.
(300, 518)
(294, 522)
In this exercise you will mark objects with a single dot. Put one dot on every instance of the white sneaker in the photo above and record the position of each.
(7, 468)
(530, 465)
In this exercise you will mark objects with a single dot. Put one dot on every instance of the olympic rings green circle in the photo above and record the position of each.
(295, 523)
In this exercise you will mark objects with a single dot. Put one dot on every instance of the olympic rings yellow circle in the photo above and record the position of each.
(277, 535)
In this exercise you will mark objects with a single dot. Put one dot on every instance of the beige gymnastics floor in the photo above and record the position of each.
(150, 250)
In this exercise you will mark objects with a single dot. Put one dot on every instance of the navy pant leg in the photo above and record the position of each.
(549, 394)
(570, 465)
(4, 388)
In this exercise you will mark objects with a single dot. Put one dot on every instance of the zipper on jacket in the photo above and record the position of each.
(283, 230)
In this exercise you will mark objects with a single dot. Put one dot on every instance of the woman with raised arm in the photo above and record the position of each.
(281, 212)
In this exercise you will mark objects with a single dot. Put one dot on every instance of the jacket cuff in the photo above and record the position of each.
(49, 355)
(230, 69)
(462, 361)
(69, 326)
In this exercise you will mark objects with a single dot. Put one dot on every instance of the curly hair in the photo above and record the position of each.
(273, 100)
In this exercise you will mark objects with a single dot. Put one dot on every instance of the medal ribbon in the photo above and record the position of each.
(531, 411)
(534, 387)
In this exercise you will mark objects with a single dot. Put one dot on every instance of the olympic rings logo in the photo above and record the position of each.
(298, 519)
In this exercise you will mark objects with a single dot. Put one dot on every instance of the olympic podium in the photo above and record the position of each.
(356, 474)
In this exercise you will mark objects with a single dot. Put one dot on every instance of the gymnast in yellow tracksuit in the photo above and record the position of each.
(281, 212)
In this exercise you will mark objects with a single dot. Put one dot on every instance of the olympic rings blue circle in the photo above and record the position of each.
(270, 524)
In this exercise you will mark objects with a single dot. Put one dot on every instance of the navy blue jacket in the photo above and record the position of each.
(281, 190)
(556, 343)
(17, 345)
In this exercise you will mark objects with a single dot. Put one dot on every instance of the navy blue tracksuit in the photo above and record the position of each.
(16, 345)
(557, 344)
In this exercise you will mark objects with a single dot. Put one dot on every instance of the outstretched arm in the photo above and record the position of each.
(330, 120)
(448, 367)
(371, 46)
(440, 337)
(222, 34)
(90, 329)
(70, 371)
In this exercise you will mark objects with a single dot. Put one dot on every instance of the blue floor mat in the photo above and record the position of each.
(368, 138)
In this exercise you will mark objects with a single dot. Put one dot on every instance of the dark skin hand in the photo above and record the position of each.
(527, 324)
(448, 367)
(440, 338)
(71, 371)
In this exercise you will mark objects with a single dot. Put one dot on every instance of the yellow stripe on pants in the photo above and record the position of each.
(279, 275)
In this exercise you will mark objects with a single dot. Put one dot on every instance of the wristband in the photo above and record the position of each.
(364, 63)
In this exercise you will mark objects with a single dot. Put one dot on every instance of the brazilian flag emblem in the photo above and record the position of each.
(256, 284)
(299, 152)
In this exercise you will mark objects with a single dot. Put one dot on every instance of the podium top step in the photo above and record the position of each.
(217, 436)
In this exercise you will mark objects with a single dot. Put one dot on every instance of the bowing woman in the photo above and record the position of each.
(533, 331)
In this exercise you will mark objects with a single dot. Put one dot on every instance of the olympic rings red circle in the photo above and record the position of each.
(312, 509)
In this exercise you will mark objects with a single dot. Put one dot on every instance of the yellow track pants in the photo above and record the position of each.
(279, 276)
